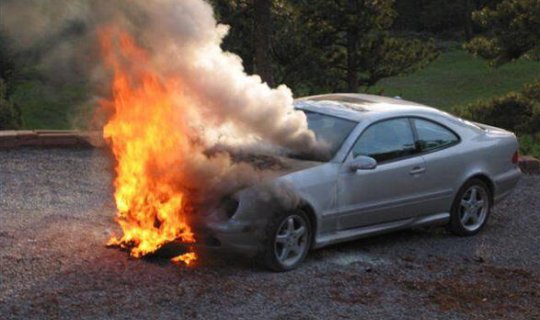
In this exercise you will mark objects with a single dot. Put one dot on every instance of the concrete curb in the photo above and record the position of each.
(50, 139)
(529, 165)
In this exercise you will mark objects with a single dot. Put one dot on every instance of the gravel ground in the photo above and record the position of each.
(56, 214)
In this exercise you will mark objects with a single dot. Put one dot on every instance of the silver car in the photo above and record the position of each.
(395, 164)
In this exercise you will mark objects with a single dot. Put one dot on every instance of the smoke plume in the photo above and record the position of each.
(169, 99)
(184, 39)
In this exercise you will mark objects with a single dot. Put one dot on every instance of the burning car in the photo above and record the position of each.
(394, 164)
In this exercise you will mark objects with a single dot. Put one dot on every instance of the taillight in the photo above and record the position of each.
(515, 157)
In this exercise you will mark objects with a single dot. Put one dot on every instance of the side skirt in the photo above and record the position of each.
(363, 232)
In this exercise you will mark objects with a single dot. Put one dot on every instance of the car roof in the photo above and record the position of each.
(356, 106)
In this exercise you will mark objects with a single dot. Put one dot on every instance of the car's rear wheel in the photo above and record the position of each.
(471, 208)
(287, 241)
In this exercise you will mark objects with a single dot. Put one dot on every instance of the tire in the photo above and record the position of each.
(471, 208)
(287, 241)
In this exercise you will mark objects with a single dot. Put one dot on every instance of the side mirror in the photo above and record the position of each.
(362, 163)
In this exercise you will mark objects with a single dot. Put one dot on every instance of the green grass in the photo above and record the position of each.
(457, 78)
(46, 107)
(530, 145)
(454, 79)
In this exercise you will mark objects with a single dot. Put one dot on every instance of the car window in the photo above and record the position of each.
(386, 140)
(330, 130)
(433, 136)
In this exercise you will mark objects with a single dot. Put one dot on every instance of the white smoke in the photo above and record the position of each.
(184, 39)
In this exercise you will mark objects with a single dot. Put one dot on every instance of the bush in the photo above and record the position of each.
(530, 145)
(512, 112)
(518, 112)
(9, 114)
(532, 91)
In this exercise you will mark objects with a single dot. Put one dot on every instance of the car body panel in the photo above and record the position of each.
(318, 188)
(365, 197)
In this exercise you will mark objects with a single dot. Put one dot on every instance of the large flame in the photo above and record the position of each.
(149, 142)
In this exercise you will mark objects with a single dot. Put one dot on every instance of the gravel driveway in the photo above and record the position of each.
(56, 214)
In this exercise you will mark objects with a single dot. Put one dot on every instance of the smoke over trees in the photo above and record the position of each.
(183, 40)
(311, 46)
(333, 46)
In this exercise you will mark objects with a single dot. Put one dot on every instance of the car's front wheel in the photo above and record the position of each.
(287, 241)
(471, 208)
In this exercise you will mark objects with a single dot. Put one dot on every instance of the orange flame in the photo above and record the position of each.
(149, 142)
(186, 258)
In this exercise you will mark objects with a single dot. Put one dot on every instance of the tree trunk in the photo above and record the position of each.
(352, 50)
(469, 8)
(262, 32)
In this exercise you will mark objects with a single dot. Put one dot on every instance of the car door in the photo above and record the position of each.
(444, 165)
(391, 190)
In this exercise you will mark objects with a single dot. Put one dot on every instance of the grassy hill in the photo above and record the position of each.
(457, 78)
(46, 107)
(454, 79)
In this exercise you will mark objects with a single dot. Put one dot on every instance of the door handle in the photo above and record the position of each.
(417, 170)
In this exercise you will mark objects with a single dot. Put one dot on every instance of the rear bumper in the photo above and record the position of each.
(505, 184)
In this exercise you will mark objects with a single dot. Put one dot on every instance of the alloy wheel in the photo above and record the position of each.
(474, 208)
(291, 240)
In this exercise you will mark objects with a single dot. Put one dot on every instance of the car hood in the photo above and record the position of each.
(287, 183)
(293, 165)
(275, 170)
(275, 166)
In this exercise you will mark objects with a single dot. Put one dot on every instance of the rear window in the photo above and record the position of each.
(432, 136)
(460, 121)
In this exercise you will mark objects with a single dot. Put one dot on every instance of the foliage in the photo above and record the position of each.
(529, 144)
(349, 41)
(354, 45)
(441, 16)
(447, 19)
(46, 106)
(326, 46)
(457, 79)
(512, 112)
(6, 63)
(512, 31)
(517, 111)
(532, 93)
(9, 114)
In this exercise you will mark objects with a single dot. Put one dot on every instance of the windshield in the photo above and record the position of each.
(330, 130)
